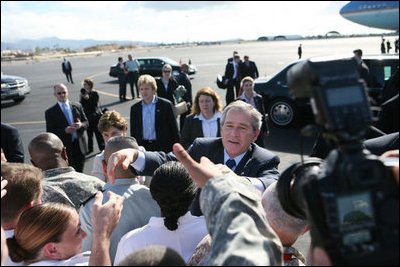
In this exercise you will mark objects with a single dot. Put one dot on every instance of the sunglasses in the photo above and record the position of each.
(167, 71)
(61, 93)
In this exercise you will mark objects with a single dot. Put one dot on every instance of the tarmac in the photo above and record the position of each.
(270, 57)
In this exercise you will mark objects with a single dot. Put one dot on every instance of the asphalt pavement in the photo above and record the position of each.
(270, 57)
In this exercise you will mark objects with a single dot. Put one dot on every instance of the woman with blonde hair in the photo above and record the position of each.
(166, 85)
(204, 118)
(249, 96)
(50, 234)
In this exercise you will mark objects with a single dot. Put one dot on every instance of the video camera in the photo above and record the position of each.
(351, 199)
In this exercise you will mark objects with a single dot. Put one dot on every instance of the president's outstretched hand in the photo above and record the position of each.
(200, 172)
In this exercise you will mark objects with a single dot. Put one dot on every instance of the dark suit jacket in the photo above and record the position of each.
(250, 70)
(64, 69)
(193, 129)
(169, 94)
(56, 123)
(11, 143)
(166, 126)
(258, 162)
(230, 71)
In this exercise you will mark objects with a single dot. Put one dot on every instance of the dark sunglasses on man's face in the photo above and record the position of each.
(61, 93)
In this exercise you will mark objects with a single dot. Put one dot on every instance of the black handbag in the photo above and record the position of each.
(220, 82)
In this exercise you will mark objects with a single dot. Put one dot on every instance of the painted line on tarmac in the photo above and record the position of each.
(26, 122)
(105, 93)
(98, 74)
(37, 122)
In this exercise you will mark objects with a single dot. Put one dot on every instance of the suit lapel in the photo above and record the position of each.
(74, 112)
(61, 113)
(219, 155)
(245, 160)
(157, 114)
(139, 118)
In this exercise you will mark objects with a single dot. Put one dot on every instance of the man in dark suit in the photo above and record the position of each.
(67, 69)
(240, 127)
(362, 68)
(248, 68)
(153, 122)
(11, 143)
(68, 121)
(232, 79)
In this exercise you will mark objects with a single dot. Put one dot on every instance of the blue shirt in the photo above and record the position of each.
(149, 120)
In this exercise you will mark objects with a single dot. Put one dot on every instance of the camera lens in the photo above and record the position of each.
(290, 183)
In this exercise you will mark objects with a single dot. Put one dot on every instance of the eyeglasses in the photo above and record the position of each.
(61, 93)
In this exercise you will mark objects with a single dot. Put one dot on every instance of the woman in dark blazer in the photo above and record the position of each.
(167, 85)
(248, 95)
(204, 118)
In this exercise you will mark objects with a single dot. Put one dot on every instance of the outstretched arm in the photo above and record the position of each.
(105, 218)
(235, 218)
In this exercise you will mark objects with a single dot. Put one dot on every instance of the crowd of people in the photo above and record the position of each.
(210, 196)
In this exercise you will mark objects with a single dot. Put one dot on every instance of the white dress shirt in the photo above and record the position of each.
(210, 126)
(191, 230)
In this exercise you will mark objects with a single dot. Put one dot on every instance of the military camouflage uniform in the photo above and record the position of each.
(293, 257)
(65, 185)
(237, 224)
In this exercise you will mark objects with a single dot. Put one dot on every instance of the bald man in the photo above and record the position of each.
(61, 182)
(139, 206)
(287, 227)
(68, 121)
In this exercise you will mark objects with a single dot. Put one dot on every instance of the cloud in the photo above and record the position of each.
(184, 5)
(173, 21)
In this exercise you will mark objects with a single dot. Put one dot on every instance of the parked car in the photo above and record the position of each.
(153, 66)
(14, 87)
(283, 109)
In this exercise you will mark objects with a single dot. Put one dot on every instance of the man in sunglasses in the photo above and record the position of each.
(68, 121)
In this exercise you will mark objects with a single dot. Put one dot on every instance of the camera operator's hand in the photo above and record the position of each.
(393, 154)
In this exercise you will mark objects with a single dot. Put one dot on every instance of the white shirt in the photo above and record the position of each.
(210, 126)
(191, 230)
(81, 259)
(98, 167)
(132, 65)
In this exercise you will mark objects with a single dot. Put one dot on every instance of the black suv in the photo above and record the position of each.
(153, 66)
(283, 109)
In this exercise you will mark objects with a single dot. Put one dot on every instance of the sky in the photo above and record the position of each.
(172, 21)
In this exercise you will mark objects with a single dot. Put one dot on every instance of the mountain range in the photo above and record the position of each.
(55, 42)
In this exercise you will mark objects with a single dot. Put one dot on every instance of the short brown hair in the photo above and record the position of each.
(24, 185)
(89, 82)
(209, 92)
(112, 118)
